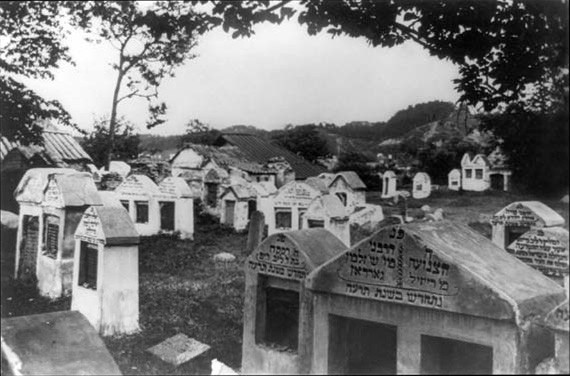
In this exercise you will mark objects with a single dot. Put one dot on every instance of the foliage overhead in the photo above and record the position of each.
(200, 133)
(501, 47)
(304, 140)
(96, 143)
(31, 45)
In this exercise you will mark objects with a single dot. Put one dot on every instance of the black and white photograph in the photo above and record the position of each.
(209, 187)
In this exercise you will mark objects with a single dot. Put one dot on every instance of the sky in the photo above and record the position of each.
(279, 76)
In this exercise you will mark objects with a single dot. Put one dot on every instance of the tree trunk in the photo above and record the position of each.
(113, 120)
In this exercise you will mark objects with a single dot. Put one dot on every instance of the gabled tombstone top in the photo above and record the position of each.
(107, 225)
(527, 213)
(294, 254)
(389, 175)
(138, 185)
(175, 187)
(32, 185)
(421, 177)
(559, 317)
(327, 205)
(350, 178)
(295, 193)
(439, 265)
(454, 173)
(74, 189)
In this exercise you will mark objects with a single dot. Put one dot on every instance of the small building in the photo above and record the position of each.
(289, 204)
(421, 185)
(329, 213)
(66, 197)
(350, 190)
(277, 324)
(517, 218)
(389, 181)
(265, 193)
(475, 172)
(194, 180)
(30, 195)
(454, 179)
(545, 249)
(176, 205)
(138, 194)
(238, 204)
(427, 298)
(106, 270)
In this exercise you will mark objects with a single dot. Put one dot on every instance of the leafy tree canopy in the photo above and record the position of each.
(96, 143)
(200, 133)
(304, 140)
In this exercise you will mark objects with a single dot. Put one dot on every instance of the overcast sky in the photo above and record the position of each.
(280, 75)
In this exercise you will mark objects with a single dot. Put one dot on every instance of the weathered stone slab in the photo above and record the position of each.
(255, 235)
(55, 343)
(178, 349)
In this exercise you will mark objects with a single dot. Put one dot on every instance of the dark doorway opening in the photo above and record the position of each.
(230, 212)
(497, 182)
(167, 216)
(29, 247)
(361, 347)
(281, 330)
(444, 356)
(251, 207)
(316, 223)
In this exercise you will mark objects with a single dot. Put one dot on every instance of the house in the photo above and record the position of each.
(454, 179)
(515, 219)
(480, 173)
(425, 298)
(60, 150)
(289, 204)
(260, 150)
(139, 196)
(238, 204)
(348, 187)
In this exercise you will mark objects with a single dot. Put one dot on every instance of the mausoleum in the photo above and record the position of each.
(30, 195)
(434, 298)
(389, 181)
(454, 179)
(176, 205)
(238, 204)
(106, 270)
(348, 187)
(421, 185)
(329, 213)
(289, 204)
(138, 194)
(519, 217)
(278, 318)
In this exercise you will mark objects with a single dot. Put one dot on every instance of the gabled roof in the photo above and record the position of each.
(264, 188)
(351, 178)
(117, 226)
(32, 185)
(329, 204)
(77, 189)
(59, 147)
(176, 187)
(139, 184)
(483, 279)
(544, 213)
(241, 191)
(260, 150)
(317, 183)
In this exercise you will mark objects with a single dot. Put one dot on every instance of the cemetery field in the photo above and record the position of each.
(182, 290)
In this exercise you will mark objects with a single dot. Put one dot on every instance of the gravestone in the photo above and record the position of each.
(545, 249)
(389, 182)
(454, 179)
(421, 186)
(178, 349)
(256, 228)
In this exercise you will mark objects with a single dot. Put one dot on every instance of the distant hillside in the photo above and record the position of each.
(245, 129)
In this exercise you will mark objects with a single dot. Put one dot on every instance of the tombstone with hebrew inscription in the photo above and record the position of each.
(517, 218)
(545, 249)
(278, 323)
(426, 298)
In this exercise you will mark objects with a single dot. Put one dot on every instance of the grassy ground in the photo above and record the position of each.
(183, 291)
